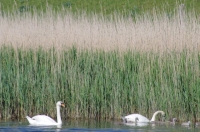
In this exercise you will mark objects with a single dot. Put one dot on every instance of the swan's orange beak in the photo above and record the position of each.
(62, 104)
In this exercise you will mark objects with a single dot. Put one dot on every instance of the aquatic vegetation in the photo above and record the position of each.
(102, 67)
(98, 84)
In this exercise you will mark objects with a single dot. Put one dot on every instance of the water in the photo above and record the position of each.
(93, 125)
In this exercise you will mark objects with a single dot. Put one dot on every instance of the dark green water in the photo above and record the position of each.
(93, 125)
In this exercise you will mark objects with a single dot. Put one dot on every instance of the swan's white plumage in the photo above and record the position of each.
(45, 120)
(131, 117)
(136, 123)
(186, 123)
(141, 118)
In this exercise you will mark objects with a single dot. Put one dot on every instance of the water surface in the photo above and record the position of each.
(93, 125)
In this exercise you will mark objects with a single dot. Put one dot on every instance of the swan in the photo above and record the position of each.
(136, 123)
(173, 121)
(197, 124)
(159, 122)
(45, 120)
(133, 123)
(141, 118)
(186, 123)
(136, 120)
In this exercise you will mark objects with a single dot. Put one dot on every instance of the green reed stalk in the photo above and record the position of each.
(98, 84)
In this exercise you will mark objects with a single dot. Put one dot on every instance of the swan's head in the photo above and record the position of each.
(60, 103)
(136, 119)
(189, 123)
(163, 113)
(131, 120)
(174, 119)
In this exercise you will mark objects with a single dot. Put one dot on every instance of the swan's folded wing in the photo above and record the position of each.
(31, 121)
(141, 118)
(43, 119)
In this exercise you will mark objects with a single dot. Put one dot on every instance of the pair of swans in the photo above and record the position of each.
(140, 118)
(45, 120)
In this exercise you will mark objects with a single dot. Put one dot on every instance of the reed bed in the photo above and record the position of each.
(100, 67)
(157, 32)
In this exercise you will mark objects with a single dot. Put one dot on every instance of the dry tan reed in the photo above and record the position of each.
(146, 33)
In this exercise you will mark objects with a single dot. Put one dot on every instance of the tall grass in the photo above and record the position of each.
(101, 68)
(98, 84)
(158, 32)
(99, 6)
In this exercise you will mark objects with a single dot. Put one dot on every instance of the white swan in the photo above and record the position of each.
(45, 120)
(136, 123)
(141, 118)
(186, 123)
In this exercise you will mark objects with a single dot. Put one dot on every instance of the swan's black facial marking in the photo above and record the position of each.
(62, 104)
(126, 120)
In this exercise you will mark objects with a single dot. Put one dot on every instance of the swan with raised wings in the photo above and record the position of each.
(45, 120)
(141, 118)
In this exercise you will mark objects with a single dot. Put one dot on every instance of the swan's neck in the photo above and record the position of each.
(174, 121)
(154, 115)
(59, 121)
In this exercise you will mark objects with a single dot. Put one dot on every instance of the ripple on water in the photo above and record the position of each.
(93, 126)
